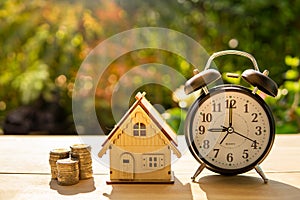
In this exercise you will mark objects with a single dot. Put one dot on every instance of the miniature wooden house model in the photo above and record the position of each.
(140, 146)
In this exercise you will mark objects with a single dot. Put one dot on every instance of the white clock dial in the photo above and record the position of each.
(230, 129)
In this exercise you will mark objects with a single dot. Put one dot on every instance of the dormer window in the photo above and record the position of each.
(139, 129)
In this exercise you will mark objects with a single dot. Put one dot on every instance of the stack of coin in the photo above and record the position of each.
(82, 153)
(68, 171)
(55, 155)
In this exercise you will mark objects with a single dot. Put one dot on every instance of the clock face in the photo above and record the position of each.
(230, 129)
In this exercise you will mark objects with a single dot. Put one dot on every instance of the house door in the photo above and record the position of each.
(127, 166)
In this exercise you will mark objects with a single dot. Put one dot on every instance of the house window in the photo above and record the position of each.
(139, 129)
(153, 161)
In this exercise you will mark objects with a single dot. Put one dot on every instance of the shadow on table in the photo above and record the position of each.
(150, 191)
(83, 186)
(246, 187)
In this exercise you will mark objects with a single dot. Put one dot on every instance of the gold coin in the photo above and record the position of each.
(85, 165)
(85, 162)
(72, 181)
(56, 154)
(80, 148)
(67, 172)
(81, 155)
(66, 176)
(86, 176)
(60, 151)
(66, 163)
(54, 173)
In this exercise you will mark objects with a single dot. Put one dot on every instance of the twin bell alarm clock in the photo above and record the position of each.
(230, 129)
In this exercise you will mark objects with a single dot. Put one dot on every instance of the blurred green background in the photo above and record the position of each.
(43, 44)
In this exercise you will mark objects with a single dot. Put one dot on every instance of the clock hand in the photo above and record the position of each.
(224, 137)
(230, 116)
(217, 129)
(231, 130)
(245, 137)
(228, 132)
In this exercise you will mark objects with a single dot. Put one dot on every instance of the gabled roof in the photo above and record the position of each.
(154, 116)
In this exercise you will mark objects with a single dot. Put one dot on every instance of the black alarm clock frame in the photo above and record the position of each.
(230, 129)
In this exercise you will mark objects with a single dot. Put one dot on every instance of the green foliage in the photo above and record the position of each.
(175, 117)
(43, 44)
(286, 106)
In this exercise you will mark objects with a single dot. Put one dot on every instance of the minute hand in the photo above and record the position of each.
(245, 137)
(230, 116)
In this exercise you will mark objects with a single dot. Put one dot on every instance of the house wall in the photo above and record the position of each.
(141, 164)
(139, 157)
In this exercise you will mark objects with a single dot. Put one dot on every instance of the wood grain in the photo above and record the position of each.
(25, 174)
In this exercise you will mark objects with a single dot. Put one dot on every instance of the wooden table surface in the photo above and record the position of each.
(25, 174)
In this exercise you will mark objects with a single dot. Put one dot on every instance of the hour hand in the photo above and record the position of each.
(223, 129)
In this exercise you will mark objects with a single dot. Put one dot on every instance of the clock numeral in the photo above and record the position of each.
(216, 152)
(254, 115)
(230, 103)
(229, 157)
(245, 154)
(201, 130)
(205, 144)
(216, 107)
(258, 132)
(254, 144)
(246, 108)
(206, 117)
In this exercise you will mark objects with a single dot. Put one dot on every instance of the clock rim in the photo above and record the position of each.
(192, 111)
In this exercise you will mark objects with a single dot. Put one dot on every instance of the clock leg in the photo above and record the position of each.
(199, 170)
(261, 173)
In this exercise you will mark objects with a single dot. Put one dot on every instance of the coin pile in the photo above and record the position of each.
(81, 152)
(68, 171)
(55, 155)
(69, 167)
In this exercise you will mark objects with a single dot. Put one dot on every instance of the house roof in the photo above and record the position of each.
(154, 116)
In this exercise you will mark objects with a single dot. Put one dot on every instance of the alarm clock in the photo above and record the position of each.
(230, 129)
